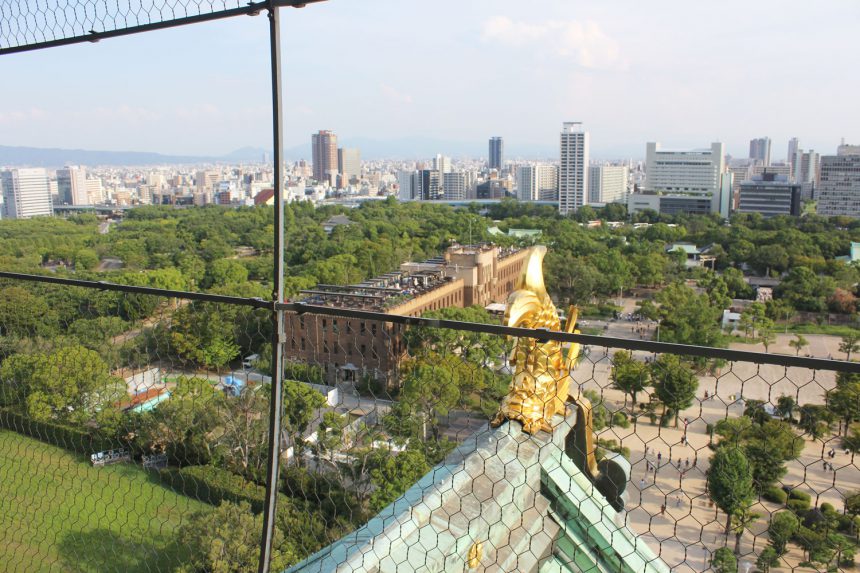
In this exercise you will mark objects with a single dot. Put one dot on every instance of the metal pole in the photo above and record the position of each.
(275, 410)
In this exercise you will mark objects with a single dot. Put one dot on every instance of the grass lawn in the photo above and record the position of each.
(58, 513)
(832, 329)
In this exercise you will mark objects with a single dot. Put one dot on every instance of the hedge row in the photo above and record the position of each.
(73, 439)
(214, 485)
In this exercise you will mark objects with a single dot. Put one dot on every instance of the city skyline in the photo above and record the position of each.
(596, 63)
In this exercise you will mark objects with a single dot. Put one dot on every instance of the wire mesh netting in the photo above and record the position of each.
(36, 23)
(135, 427)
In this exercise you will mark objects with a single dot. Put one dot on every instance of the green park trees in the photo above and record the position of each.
(675, 383)
(629, 375)
(730, 483)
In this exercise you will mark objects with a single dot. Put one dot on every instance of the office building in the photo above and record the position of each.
(455, 186)
(793, 146)
(95, 191)
(684, 181)
(806, 172)
(427, 185)
(839, 188)
(607, 184)
(72, 186)
(497, 153)
(348, 166)
(442, 164)
(760, 150)
(324, 151)
(406, 183)
(846, 149)
(769, 194)
(573, 168)
(25, 193)
(537, 182)
(492, 189)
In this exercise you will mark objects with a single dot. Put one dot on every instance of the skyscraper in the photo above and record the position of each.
(793, 146)
(324, 149)
(442, 163)
(72, 186)
(607, 183)
(348, 165)
(406, 182)
(573, 168)
(427, 186)
(25, 193)
(455, 186)
(760, 150)
(839, 190)
(497, 153)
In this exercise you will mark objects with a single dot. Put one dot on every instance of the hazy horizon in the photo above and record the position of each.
(679, 73)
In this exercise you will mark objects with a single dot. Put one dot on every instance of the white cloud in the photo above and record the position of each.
(584, 42)
(395, 95)
(20, 116)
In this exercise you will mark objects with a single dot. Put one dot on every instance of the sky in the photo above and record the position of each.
(457, 71)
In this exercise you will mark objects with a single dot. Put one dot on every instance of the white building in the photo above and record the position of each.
(685, 181)
(573, 168)
(349, 165)
(25, 193)
(442, 164)
(607, 183)
(537, 182)
(72, 186)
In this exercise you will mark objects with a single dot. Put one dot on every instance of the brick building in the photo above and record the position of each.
(350, 348)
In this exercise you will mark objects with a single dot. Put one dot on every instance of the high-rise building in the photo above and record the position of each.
(684, 181)
(769, 194)
(793, 146)
(428, 186)
(406, 182)
(497, 153)
(324, 148)
(846, 149)
(573, 168)
(25, 193)
(95, 191)
(607, 183)
(442, 164)
(537, 182)
(760, 150)
(455, 186)
(839, 189)
(348, 165)
(72, 186)
(806, 165)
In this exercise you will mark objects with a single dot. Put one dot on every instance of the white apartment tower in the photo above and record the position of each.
(455, 186)
(537, 182)
(839, 189)
(573, 168)
(72, 186)
(607, 183)
(25, 193)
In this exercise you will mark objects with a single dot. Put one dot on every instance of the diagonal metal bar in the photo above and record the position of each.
(92, 36)
(600, 341)
(103, 285)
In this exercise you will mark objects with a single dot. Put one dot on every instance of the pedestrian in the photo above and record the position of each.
(677, 501)
(706, 394)
(646, 449)
(659, 457)
(663, 509)
(825, 466)
(642, 483)
(687, 463)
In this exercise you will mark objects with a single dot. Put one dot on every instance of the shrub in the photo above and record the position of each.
(67, 437)
(775, 495)
(798, 506)
(827, 508)
(801, 495)
(214, 485)
(620, 419)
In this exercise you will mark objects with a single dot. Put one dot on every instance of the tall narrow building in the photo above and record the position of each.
(324, 150)
(793, 146)
(497, 153)
(760, 150)
(25, 193)
(573, 168)
(72, 186)
(348, 165)
(607, 184)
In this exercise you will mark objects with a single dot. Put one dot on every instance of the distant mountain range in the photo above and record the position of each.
(403, 148)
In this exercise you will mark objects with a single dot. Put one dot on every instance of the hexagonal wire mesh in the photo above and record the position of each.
(39, 23)
(780, 439)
